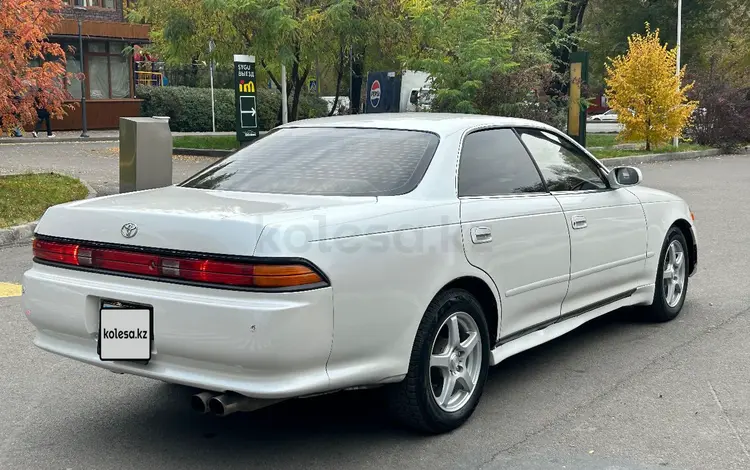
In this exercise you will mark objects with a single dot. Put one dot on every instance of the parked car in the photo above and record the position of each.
(406, 251)
(607, 116)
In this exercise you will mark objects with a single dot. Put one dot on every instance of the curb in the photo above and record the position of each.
(25, 232)
(666, 157)
(56, 140)
(202, 152)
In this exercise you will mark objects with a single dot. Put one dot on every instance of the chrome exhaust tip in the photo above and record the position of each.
(229, 403)
(200, 402)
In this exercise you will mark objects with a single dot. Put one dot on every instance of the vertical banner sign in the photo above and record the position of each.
(579, 64)
(247, 123)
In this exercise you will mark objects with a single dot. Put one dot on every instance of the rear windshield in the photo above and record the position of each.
(324, 161)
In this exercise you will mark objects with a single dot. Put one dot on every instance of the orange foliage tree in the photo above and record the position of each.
(31, 68)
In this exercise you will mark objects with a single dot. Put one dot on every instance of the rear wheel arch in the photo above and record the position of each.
(484, 295)
(414, 401)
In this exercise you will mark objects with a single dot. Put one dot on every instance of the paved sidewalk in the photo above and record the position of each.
(94, 136)
(95, 162)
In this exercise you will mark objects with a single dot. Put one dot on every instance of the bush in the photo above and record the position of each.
(189, 109)
(523, 93)
(722, 115)
(310, 106)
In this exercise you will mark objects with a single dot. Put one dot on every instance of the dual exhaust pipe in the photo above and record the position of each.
(227, 403)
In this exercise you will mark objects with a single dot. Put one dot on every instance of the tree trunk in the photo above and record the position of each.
(296, 90)
(297, 84)
(339, 76)
(358, 68)
(570, 20)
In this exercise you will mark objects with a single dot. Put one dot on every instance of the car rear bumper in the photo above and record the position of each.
(262, 345)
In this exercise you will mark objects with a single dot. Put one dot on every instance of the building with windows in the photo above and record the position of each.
(110, 74)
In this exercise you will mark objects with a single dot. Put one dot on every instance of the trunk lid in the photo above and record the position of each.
(184, 218)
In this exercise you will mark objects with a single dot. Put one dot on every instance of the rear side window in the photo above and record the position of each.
(495, 163)
(325, 161)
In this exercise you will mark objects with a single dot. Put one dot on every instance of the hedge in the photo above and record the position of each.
(189, 109)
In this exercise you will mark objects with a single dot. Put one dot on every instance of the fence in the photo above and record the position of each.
(143, 78)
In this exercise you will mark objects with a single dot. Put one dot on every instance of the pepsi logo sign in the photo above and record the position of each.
(375, 94)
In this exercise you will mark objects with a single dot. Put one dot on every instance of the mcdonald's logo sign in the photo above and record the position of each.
(248, 87)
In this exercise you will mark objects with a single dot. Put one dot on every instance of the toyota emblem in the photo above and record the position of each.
(129, 230)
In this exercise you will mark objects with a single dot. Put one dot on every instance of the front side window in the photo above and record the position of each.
(494, 163)
(325, 161)
(563, 166)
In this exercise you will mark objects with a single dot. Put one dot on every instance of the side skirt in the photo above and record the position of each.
(535, 336)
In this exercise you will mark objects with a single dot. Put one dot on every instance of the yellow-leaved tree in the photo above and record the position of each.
(645, 91)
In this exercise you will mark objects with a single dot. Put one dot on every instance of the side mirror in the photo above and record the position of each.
(625, 176)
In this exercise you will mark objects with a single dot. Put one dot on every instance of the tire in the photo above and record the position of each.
(413, 401)
(665, 308)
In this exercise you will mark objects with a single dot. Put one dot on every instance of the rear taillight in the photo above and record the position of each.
(183, 268)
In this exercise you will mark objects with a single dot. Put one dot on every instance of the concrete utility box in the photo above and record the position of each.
(145, 154)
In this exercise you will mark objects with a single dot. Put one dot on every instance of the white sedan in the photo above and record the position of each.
(607, 116)
(408, 251)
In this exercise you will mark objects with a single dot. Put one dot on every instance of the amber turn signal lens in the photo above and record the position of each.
(269, 275)
(692, 216)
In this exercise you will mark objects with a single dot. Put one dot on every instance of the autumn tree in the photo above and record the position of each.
(28, 63)
(646, 93)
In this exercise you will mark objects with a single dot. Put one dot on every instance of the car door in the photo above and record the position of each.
(513, 229)
(607, 226)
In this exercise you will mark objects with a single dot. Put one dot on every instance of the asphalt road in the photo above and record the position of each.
(603, 127)
(616, 394)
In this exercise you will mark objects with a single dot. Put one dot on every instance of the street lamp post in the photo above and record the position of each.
(79, 14)
(679, 34)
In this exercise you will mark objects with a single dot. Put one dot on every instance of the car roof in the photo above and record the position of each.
(439, 123)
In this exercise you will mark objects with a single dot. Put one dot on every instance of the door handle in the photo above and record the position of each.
(578, 222)
(481, 235)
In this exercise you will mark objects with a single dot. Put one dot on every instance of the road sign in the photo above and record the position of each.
(313, 84)
(247, 123)
(248, 113)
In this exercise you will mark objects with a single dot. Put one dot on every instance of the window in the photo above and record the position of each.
(119, 70)
(73, 66)
(108, 70)
(325, 161)
(98, 77)
(494, 163)
(563, 166)
(110, 4)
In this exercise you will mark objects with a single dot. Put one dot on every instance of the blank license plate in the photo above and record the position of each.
(125, 334)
